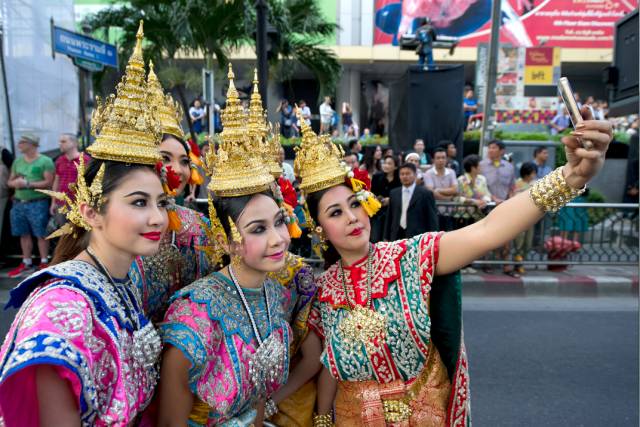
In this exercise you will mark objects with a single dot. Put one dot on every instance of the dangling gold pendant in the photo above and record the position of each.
(363, 326)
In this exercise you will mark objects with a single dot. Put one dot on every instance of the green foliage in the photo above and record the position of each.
(214, 28)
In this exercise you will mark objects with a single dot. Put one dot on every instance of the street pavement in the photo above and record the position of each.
(547, 361)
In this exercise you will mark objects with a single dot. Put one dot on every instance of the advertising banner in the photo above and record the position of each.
(527, 23)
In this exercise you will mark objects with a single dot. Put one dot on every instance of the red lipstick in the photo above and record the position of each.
(152, 235)
(356, 232)
(277, 256)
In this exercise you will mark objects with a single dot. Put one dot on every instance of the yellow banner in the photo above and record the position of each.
(538, 75)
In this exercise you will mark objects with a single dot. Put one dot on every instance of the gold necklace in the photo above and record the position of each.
(363, 325)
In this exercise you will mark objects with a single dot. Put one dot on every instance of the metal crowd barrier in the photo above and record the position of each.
(580, 233)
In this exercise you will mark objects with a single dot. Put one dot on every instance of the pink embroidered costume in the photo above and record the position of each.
(207, 322)
(95, 335)
(181, 260)
(399, 377)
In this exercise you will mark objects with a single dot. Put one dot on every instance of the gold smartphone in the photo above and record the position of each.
(564, 87)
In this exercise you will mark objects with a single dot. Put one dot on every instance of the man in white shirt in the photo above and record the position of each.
(412, 208)
(326, 114)
(442, 181)
(287, 169)
(305, 111)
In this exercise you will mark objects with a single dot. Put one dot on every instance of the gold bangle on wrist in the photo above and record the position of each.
(552, 192)
(324, 420)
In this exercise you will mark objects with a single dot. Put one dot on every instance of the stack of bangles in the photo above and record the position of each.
(552, 192)
(270, 408)
(324, 420)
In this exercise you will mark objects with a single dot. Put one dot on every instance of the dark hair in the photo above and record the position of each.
(330, 255)
(527, 169)
(445, 143)
(368, 159)
(70, 245)
(352, 144)
(182, 142)
(470, 161)
(409, 166)
(232, 207)
(439, 150)
(497, 142)
(394, 158)
(538, 150)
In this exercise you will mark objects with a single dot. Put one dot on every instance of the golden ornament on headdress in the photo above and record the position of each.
(91, 196)
(126, 125)
(169, 111)
(318, 161)
(261, 130)
(215, 234)
(237, 168)
(235, 234)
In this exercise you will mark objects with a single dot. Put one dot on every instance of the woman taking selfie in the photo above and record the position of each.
(374, 310)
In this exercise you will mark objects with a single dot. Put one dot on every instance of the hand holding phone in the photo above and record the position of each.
(572, 106)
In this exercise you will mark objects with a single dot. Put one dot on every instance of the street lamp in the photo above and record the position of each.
(266, 36)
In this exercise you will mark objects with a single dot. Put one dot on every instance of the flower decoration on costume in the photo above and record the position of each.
(194, 155)
(170, 182)
(287, 199)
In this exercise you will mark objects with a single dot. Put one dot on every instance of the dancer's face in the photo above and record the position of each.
(174, 155)
(265, 238)
(343, 220)
(134, 217)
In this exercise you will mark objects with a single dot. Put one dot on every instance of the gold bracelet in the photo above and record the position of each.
(552, 192)
(324, 420)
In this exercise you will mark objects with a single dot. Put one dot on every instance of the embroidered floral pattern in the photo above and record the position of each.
(76, 320)
(207, 322)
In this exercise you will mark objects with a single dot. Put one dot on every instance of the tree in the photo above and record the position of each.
(214, 28)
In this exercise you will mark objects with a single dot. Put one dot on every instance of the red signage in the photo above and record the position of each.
(539, 56)
(528, 23)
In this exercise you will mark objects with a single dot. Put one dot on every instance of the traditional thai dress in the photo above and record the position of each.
(403, 377)
(181, 260)
(297, 278)
(92, 332)
(208, 323)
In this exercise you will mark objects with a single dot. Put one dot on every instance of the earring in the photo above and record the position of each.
(236, 260)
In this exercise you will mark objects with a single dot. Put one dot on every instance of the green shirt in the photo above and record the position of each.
(32, 172)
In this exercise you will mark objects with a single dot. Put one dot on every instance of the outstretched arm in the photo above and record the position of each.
(461, 247)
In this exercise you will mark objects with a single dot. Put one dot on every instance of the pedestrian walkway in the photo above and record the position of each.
(578, 280)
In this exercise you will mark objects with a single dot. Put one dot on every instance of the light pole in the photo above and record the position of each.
(492, 73)
(262, 48)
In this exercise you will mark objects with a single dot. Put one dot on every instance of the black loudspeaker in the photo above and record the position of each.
(427, 104)
(622, 77)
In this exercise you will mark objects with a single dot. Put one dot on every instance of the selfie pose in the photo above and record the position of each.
(80, 350)
(374, 308)
(227, 336)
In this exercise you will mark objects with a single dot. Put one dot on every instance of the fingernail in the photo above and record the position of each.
(580, 125)
(575, 133)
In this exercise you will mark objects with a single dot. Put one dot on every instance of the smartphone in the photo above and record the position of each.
(564, 87)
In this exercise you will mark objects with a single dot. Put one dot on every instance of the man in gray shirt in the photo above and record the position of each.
(441, 180)
(499, 173)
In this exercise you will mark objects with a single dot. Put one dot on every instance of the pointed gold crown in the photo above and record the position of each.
(238, 169)
(126, 125)
(169, 111)
(318, 161)
(260, 130)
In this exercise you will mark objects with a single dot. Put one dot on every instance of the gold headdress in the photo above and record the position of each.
(237, 169)
(318, 161)
(319, 164)
(169, 111)
(260, 130)
(126, 125)
(92, 196)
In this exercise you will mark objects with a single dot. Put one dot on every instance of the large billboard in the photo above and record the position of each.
(558, 23)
